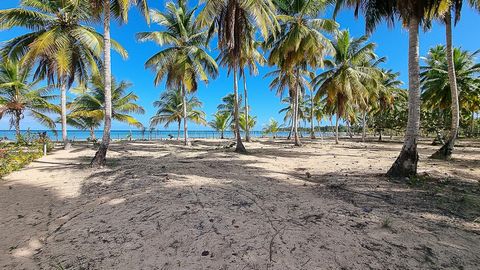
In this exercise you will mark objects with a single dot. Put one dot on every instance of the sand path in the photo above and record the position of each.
(162, 206)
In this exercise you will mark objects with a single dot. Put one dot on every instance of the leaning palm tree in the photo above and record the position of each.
(436, 85)
(120, 10)
(18, 96)
(413, 14)
(220, 122)
(63, 48)
(88, 109)
(300, 44)
(345, 82)
(184, 61)
(234, 21)
(445, 152)
(170, 110)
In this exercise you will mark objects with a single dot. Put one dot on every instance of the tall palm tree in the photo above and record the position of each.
(437, 93)
(284, 80)
(455, 7)
(63, 48)
(234, 21)
(300, 44)
(413, 14)
(120, 10)
(345, 82)
(170, 110)
(220, 122)
(19, 95)
(184, 61)
(88, 109)
(252, 57)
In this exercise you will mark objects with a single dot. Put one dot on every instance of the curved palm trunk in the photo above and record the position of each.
(364, 128)
(406, 163)
(240, 148)
(247, 127)
(185, 117)
(63, 105)
(445, 152)
(336, 128)
(100, 156)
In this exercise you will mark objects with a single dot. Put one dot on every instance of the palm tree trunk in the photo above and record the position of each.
(406, 163)
(291, 129)
(240, 148)
(336, 128)
(221, 135)
(185, 117)
(92, 133)
(101, 155)
(63, 105)
(364, 128)
(312, 122)
(178, 129)
(17, 124)
(247, 127)
(295, 113)
(445, 152)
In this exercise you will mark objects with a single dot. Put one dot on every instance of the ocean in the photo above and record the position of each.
(81, 135)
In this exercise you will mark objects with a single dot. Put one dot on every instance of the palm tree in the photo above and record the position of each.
(283, 80)
(170, 110)
(120, 10)
(436, 82)
(345, 82)
(220, 122)
(63, 48)
(272, 128)
(234, 21)
(300, 44)
(183, 62)
(88, 109)
(247, 123)
(228, 105)
(413, 14)
(18, 95)
(445, 152)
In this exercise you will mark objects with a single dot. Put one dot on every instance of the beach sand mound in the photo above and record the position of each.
(159, 205)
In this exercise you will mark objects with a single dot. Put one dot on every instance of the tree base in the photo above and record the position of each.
(406, 163)
(445, 152)
(100, 158)
(67, 145)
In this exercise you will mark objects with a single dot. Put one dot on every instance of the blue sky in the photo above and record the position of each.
(391, 42)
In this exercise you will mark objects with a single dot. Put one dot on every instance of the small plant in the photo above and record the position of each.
(387, 223)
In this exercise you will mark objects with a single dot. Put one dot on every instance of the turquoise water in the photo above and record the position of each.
(80, 135)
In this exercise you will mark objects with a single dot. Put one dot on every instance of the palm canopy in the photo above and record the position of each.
(435, 81)
(220, 121)
(350, 75)
(228, 104)
(18, 95)
(301, 39)
(120, 8)
(389, 10)
(88, 108)
(184, 61)
(170, 109)
(60, 43)
(235, 21)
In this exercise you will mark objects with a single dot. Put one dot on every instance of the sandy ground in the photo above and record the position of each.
(160, 205)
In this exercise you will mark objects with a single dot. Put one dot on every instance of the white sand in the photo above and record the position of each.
(163, 206)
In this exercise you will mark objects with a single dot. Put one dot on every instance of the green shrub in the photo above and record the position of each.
(14, 156)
